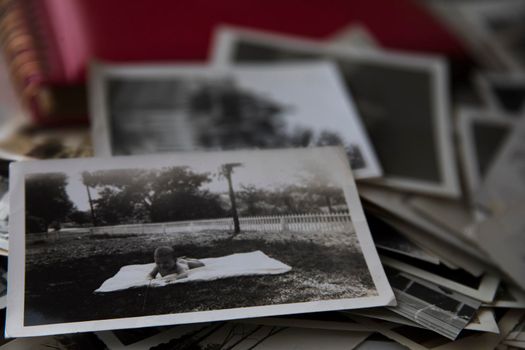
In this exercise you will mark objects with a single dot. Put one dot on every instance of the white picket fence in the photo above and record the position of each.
(281, 223)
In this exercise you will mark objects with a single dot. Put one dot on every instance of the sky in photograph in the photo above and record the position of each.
(264, 170)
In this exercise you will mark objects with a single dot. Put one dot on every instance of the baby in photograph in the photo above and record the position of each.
(166, 263)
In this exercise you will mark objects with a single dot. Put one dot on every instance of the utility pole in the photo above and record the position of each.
(227, 171)
(86, 177)
(93, 221)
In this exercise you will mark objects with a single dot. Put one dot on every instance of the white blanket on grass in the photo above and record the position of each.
(242, 264)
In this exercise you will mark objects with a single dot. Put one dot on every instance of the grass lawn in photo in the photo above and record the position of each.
(63, 272)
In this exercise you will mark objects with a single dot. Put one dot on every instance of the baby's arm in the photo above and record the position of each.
(153, 273)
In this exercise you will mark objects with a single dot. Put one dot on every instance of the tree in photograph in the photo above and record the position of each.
(46, 200)
(353, 152)
(115, 207)
(300, 137)
(318, 185)
(121, 195)
(327, 196)
(81, 217)
(281, 201)
(177, 194)
(293, 199)
(328, 138)
(137, 195)
(252, 201)
(226, 170)
(228, 116)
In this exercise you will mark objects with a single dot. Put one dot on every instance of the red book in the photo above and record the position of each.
(49, 43)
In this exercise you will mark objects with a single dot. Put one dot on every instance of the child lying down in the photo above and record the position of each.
(166, 263)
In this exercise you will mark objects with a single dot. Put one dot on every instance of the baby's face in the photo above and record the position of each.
(165, 263)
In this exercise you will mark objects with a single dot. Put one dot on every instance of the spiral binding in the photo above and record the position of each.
(22, 49)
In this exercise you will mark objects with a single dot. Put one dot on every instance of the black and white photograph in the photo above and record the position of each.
(481, 288)
(482, 133)
(141, 109)
(431, 305)
(504, 93)
(187, 237)
(400, 97)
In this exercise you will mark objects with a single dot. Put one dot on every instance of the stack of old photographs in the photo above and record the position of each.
(221, 212)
